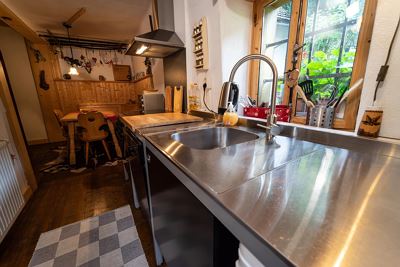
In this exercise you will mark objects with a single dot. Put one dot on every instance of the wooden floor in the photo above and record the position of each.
(64, 198)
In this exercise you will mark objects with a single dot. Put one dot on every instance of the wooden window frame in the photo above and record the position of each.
(360, 61)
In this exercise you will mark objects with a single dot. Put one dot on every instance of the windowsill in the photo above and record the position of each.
(333, 131)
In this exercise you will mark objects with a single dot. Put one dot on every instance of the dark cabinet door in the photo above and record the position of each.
(139, 178)
(134, 151)
(183, 227)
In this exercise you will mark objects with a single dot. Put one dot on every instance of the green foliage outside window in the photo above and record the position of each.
(336, 31)
(323, 64)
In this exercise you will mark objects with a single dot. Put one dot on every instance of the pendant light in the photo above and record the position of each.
(72, 70)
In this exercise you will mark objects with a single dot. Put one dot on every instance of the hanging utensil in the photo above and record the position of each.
(300, 91)
(348, 92)
(308, 88)
(252, 102)
(333, 97)
(243, 101)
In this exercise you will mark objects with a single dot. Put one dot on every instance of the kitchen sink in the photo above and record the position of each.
(211, 138)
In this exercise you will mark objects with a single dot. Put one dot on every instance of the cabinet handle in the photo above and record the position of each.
(148, 158)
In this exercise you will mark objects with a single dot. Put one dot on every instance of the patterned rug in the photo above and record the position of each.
(110, 239)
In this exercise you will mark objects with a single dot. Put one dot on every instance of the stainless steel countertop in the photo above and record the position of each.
(316, 205)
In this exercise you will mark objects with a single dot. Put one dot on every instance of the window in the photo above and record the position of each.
(331, 34)
(335, 35)
(274, 44)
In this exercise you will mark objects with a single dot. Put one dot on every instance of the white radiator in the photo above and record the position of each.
(11, 200)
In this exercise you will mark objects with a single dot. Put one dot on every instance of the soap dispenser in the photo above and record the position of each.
(230, 117)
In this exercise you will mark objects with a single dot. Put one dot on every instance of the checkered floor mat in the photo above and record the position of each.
(110, 239)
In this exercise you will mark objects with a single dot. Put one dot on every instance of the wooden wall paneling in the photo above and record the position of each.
(134, 94)
(124, 92)
(87, 91)
(48, 99)
(67, 96)
(144, 84)
(118, 93)
(16, 132)
(115, 93)
(127, 92)
(74, 94)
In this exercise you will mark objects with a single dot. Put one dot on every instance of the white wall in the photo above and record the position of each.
(196, 10)
(12, 46)
(387, 14)
(229, 31)
(236, 28)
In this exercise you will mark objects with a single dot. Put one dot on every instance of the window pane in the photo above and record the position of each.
(274, 42)
(331, 35)
(330, 12)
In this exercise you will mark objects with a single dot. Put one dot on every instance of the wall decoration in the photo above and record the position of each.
(93, 62)
(43, 84)
(38, 55)
(200, 39)
(147, 63)
(139, 75)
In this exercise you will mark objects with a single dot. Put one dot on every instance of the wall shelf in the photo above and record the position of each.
(200, 40)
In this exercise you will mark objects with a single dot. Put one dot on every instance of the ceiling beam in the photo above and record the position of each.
(12, 20)
(76, 16)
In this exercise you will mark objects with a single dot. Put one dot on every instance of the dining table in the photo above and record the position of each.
(71, 119)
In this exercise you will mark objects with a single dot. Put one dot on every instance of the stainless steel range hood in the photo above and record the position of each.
(161, 42)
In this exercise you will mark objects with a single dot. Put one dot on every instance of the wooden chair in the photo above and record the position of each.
(91, 124)
(59, 114)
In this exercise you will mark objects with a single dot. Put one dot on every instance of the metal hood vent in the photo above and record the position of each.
(159, 43)
(162, 41)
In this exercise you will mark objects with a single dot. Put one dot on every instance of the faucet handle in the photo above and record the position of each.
(274, 129)
(272, 119)
(263, 126)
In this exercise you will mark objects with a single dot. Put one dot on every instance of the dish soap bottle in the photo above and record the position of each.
(230, 116)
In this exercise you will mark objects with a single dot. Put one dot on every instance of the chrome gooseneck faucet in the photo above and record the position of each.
(271, 126)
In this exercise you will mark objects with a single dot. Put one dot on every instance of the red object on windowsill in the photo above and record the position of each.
(282, 111)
